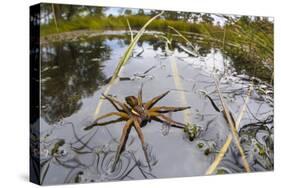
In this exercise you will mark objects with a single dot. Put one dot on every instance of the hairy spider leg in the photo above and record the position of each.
(137, 126)
(122, 142)
(154, 100)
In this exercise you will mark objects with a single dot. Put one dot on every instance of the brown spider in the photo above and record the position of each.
(137, 114)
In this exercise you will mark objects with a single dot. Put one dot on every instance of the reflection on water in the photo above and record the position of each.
(70, 72)
(73, 76)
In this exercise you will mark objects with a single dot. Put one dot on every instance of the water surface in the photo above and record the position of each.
(75, 73)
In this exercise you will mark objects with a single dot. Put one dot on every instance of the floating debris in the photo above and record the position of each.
(257, 141)
(192, 131)
(188, 51)
(207, 146)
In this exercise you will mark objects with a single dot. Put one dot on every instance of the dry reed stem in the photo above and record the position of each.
(227, 143)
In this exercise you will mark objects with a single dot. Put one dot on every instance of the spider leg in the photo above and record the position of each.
(154, 100)
(167, 109)
(164, 119)
(114, 102)
(167, 122)
(141, 137)
(122, 142)
(122, 115)
(104, 123)
(140, 95)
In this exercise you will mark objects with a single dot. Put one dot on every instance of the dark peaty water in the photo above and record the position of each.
(74, 74)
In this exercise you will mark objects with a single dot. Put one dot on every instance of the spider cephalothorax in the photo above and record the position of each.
(137, 114)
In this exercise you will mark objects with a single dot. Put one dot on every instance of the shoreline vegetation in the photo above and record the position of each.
(245, 39)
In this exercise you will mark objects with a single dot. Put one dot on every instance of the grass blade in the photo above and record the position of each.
(124, 60)
(219, 156)
(188, 42)
(234, 126)
(129, 50)
(131, 32)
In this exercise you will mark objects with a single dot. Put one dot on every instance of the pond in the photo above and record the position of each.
(75, 73)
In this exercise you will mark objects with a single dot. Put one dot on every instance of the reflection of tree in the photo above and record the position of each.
(70, 71)
(160, 44)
